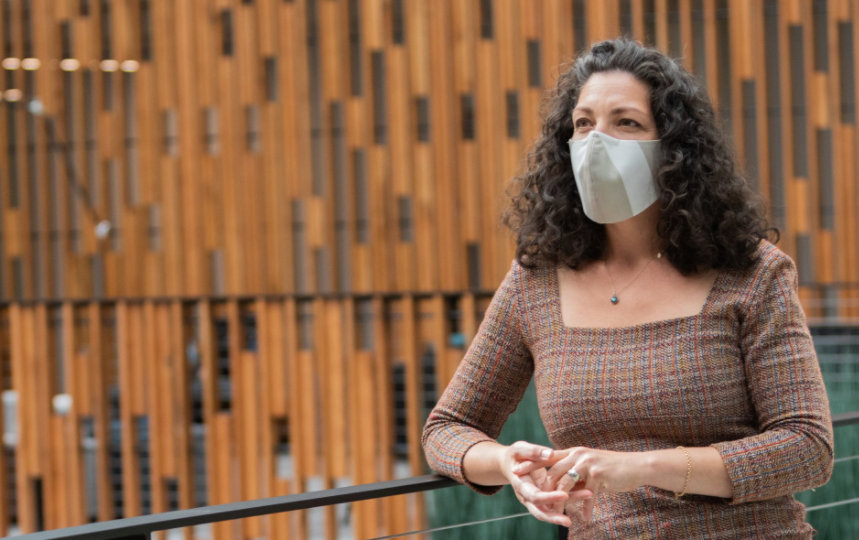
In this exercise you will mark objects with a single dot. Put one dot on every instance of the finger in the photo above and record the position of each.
(524, 467)
(527, 467)
(549, 515)
(524, 451)
(558, 473)
(576, 502)
(531, 493)
(580, 494)
(587, 510)
(566, 483)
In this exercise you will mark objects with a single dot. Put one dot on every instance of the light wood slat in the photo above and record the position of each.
(359, 435)
(223, 427)
(153, 396)
(467, 63)
(380, 218)
(5, 461)
(843, 141)
(55, 507)
(266, 27)
(6, 223)
(401, 134)
(661, 16)
(362, 440)
(444, 121)
(408, 338)
(788, 234)
(102, 378)
(382, 358)
(41, 347)
(373, 24)
(490, 97)
(218, 440)
(297, 520)
(21, 333)
(275, 229)
(334, 383)
(188, 99)
(276, 361)
(247, 410)
(280, 525)
(686, 34)
(424, 202)
(331, 38)
(70, 471)
(164, 68)
(295, 124)
(557, 39)
(408, 353)
(227, 171)
(267, 334)
(602, 19)
(758, 69)
(128, 381)
(306, 447)
(249, 93)
(241, 407)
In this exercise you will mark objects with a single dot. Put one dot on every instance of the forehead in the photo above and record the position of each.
(614, 89)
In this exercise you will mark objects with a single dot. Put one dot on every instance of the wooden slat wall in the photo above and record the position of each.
(301, 195)
(290, 393)
(315, 146)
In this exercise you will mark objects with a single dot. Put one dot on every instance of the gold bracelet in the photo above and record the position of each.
(688, 474)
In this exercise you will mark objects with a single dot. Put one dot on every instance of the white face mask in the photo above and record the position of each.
(615, 177)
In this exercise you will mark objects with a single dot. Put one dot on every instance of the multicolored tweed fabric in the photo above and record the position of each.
(741, 375)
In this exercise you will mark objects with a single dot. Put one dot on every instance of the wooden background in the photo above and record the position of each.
(301, 203)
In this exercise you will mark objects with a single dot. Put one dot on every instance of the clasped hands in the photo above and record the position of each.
(538, 476)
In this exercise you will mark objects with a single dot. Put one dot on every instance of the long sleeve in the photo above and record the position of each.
(486, 388)
(794, 449)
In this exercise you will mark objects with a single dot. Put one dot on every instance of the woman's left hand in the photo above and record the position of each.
(598, 471)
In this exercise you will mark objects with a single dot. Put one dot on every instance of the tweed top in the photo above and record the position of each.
(741, 376)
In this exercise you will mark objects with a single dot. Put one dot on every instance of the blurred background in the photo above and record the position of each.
(244, 243)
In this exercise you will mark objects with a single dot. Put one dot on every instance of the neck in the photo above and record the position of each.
(635, 239)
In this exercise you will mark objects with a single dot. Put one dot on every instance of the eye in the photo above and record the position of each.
(629, 122)
(581, 122)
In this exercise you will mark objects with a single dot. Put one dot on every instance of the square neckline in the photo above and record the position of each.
(558, 315)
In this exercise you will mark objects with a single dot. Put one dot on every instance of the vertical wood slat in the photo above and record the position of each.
(99, 352)
(76, 388)
(6, 463)
(21, 332)
(128, 381)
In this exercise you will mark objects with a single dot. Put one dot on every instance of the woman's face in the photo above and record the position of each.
(617, 104)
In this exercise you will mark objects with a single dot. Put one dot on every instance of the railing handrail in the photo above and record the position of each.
(845, 419)
(139, 527)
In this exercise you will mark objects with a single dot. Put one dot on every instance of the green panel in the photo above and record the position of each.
(462, 505)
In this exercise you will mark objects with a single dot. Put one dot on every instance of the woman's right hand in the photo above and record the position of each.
(525, 466)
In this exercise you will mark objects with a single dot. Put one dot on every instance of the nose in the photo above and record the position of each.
(601, 126)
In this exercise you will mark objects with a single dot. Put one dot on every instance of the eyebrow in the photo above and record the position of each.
(615, 111)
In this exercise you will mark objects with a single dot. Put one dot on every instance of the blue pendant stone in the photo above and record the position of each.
(614, 300)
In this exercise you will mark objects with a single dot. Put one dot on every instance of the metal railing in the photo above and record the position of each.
(140, 527)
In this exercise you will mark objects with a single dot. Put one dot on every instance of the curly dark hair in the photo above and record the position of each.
(710, 218)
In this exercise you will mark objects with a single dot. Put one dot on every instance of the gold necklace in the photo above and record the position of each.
(614, 298)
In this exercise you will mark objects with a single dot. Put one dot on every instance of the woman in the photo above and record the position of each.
(675, 373)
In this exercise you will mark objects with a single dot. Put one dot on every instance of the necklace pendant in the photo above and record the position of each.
(614, 299)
